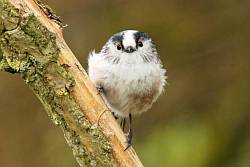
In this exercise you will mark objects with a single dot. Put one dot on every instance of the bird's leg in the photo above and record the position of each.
(130, 134)
(123, 124)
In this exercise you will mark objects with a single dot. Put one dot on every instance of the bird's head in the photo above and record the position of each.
(131, 42)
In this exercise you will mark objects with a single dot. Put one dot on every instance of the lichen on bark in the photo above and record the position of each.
(29, 49)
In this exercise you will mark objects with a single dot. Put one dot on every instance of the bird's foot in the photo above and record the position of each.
(100, 89)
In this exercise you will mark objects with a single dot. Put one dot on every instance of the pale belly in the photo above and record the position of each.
(125, 95)
(131, 86)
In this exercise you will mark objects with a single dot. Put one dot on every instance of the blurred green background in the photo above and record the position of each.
(202, 119)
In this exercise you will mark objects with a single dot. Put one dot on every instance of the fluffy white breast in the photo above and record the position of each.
(126, 81)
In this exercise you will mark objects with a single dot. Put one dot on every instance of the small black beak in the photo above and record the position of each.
(129, 49)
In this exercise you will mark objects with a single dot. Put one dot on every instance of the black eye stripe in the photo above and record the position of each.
(118, 38)
(140, 35)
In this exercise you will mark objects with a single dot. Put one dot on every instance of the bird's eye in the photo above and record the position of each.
(140, 44)
(119, 47)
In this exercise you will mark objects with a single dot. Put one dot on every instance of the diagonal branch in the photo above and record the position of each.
(31, 45)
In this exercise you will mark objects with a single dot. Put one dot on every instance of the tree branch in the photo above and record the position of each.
(31, 44)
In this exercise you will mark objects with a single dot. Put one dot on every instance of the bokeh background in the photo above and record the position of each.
(202, 119)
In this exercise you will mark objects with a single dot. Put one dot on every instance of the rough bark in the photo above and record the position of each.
(31, 45)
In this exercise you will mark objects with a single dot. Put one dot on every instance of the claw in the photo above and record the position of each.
(123, 123)
(100, 89)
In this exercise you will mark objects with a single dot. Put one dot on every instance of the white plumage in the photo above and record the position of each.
(131, 74)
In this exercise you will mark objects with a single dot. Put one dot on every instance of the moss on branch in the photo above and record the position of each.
(29, 49)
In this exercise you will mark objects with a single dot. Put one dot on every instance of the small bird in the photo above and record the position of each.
(128, 74)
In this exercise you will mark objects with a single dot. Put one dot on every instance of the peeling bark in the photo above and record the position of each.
(32, 46)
